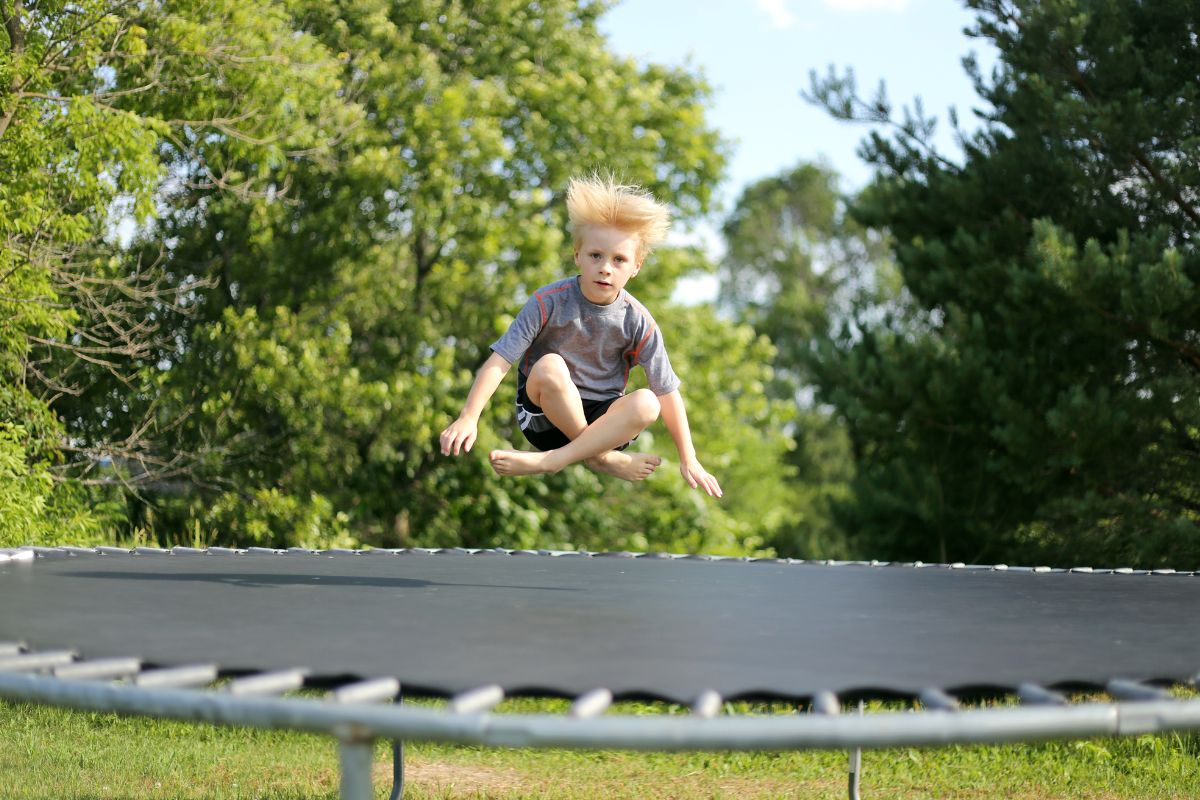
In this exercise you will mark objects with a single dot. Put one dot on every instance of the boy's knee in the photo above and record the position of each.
(646, 406)
(551, 366)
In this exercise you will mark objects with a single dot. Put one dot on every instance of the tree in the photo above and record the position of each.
(1036, 395)
(340, 323)
(105, 105)
(794, 261)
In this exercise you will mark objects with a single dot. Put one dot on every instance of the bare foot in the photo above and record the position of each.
(626, 466)
(519, 462)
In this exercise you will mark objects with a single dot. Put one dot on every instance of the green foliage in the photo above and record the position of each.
(794, 264)
(106, 110)
(340, 206)
(33, 510)
(1032, 394)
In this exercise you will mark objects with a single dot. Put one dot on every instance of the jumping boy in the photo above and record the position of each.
(575, 342)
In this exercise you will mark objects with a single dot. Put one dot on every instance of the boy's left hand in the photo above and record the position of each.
(696, 475)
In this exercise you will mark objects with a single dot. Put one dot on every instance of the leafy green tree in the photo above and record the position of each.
(335, 327)
(1036, 394)
(107, 108)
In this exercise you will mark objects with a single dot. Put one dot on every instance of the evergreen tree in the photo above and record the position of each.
(794, 261)
(1037, 396)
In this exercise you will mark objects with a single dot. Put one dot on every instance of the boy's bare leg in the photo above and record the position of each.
(626, 418)
(550, 387)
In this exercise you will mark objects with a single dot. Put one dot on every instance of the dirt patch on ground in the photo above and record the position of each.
(458, 781)
(455, 780)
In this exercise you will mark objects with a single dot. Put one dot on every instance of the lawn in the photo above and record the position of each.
(55, 754)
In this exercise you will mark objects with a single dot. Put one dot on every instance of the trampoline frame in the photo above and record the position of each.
(358, 714)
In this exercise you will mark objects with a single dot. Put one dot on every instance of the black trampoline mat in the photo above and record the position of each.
(669, 629)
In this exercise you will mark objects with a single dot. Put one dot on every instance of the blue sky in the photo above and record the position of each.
(758, 53)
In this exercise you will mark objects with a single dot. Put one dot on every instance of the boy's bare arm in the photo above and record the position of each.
(674, 416)
(459, 436)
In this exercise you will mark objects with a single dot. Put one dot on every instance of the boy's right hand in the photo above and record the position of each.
(459, 436)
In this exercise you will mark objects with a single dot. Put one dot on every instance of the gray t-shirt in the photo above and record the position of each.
(599, 343)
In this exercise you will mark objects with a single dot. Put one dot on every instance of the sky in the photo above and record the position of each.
(757, 55)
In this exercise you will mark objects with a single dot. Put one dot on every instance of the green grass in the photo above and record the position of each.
(57, 754)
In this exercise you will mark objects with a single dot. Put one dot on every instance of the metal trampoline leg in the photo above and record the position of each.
(397, 761)
(855, 764)
(397, 770)
(356, 756)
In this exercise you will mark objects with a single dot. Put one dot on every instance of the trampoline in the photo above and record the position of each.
(479, 625)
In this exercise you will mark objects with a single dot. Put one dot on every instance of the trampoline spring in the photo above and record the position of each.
(177, 677)
(151, 551)
(180, 550)
(11, 648)
(707, 704)
(100, 669)
(937, 700)
(591, 704)
(32, 662)
(1036, 695)
(224, 551)
(826, 704)
(379, 690)
(113, 551)
(476, 701)
(267, 683)
(1132, 690)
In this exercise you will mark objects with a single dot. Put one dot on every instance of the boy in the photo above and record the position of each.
(575, 342)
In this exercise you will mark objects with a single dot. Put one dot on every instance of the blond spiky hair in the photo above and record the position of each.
(600, 200)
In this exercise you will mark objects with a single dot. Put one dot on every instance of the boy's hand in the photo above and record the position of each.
(697, 475)
(459, 436)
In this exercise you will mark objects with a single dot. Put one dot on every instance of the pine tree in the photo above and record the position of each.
(1037, 392)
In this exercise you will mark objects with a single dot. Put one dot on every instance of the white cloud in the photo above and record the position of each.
(778, 13)
(867, 5)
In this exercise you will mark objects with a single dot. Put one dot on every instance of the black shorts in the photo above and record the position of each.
(540, 431)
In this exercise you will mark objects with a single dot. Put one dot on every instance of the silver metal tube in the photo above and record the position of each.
(1035, 694)
(267, 682)
(591, 704)
(378, 690)
(1131, 690)
(477, 700)
(856, 763)
(826, 703)
(937, 700)
(793, 732)
(177, 677)
(100, 669)
(31, 662)
(707, 704)
(355, 756)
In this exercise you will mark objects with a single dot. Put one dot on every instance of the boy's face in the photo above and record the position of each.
(607, 258)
